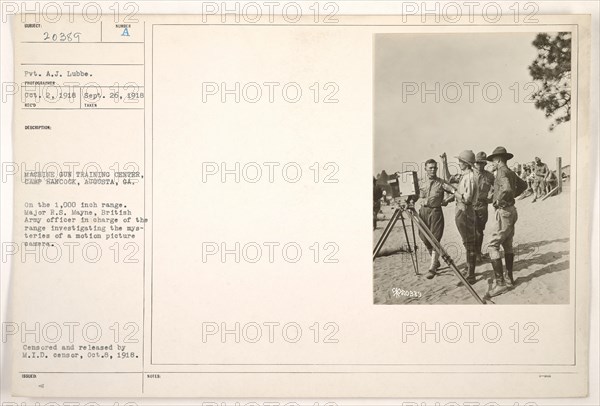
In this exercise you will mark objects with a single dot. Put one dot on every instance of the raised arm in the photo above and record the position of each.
(445, 171)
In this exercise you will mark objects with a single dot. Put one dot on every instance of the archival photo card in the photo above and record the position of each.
(482, 124)
(190, 207)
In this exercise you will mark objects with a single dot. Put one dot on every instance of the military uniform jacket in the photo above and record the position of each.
(507, 186)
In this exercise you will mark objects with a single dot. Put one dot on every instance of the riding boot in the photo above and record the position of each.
(435, 264)
(479, 255)
(499, 275)
(435, 259)
(478, 259)
(509, 259)
(471, 263)
(479, 246)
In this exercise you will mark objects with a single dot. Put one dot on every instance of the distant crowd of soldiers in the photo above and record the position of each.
(540, 179)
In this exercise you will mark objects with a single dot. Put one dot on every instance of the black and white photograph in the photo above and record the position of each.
(472, 159)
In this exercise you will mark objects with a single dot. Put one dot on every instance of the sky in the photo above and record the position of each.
(411, 130)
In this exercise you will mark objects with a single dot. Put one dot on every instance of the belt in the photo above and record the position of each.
(463, 205)
(432, 207)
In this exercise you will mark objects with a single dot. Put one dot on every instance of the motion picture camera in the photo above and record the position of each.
(405, 185)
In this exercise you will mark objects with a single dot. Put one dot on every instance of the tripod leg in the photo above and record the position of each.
(386, 233)
(410, 251)
(438, 247)
(412, 224)
(388, 226)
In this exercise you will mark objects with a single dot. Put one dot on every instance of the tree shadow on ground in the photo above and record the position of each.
(549, 258)
(522, 250)
(524, 257)
(552, 268)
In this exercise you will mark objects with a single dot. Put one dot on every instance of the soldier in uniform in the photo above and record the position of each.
(485, 181)
(507, 186)
(466, 195)
(551, 182)
(542, 172)
(377, 195)
(432, 191)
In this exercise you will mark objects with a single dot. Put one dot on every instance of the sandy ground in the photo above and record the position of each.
(541, 269)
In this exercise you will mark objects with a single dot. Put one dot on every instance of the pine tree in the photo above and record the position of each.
(552, 72)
